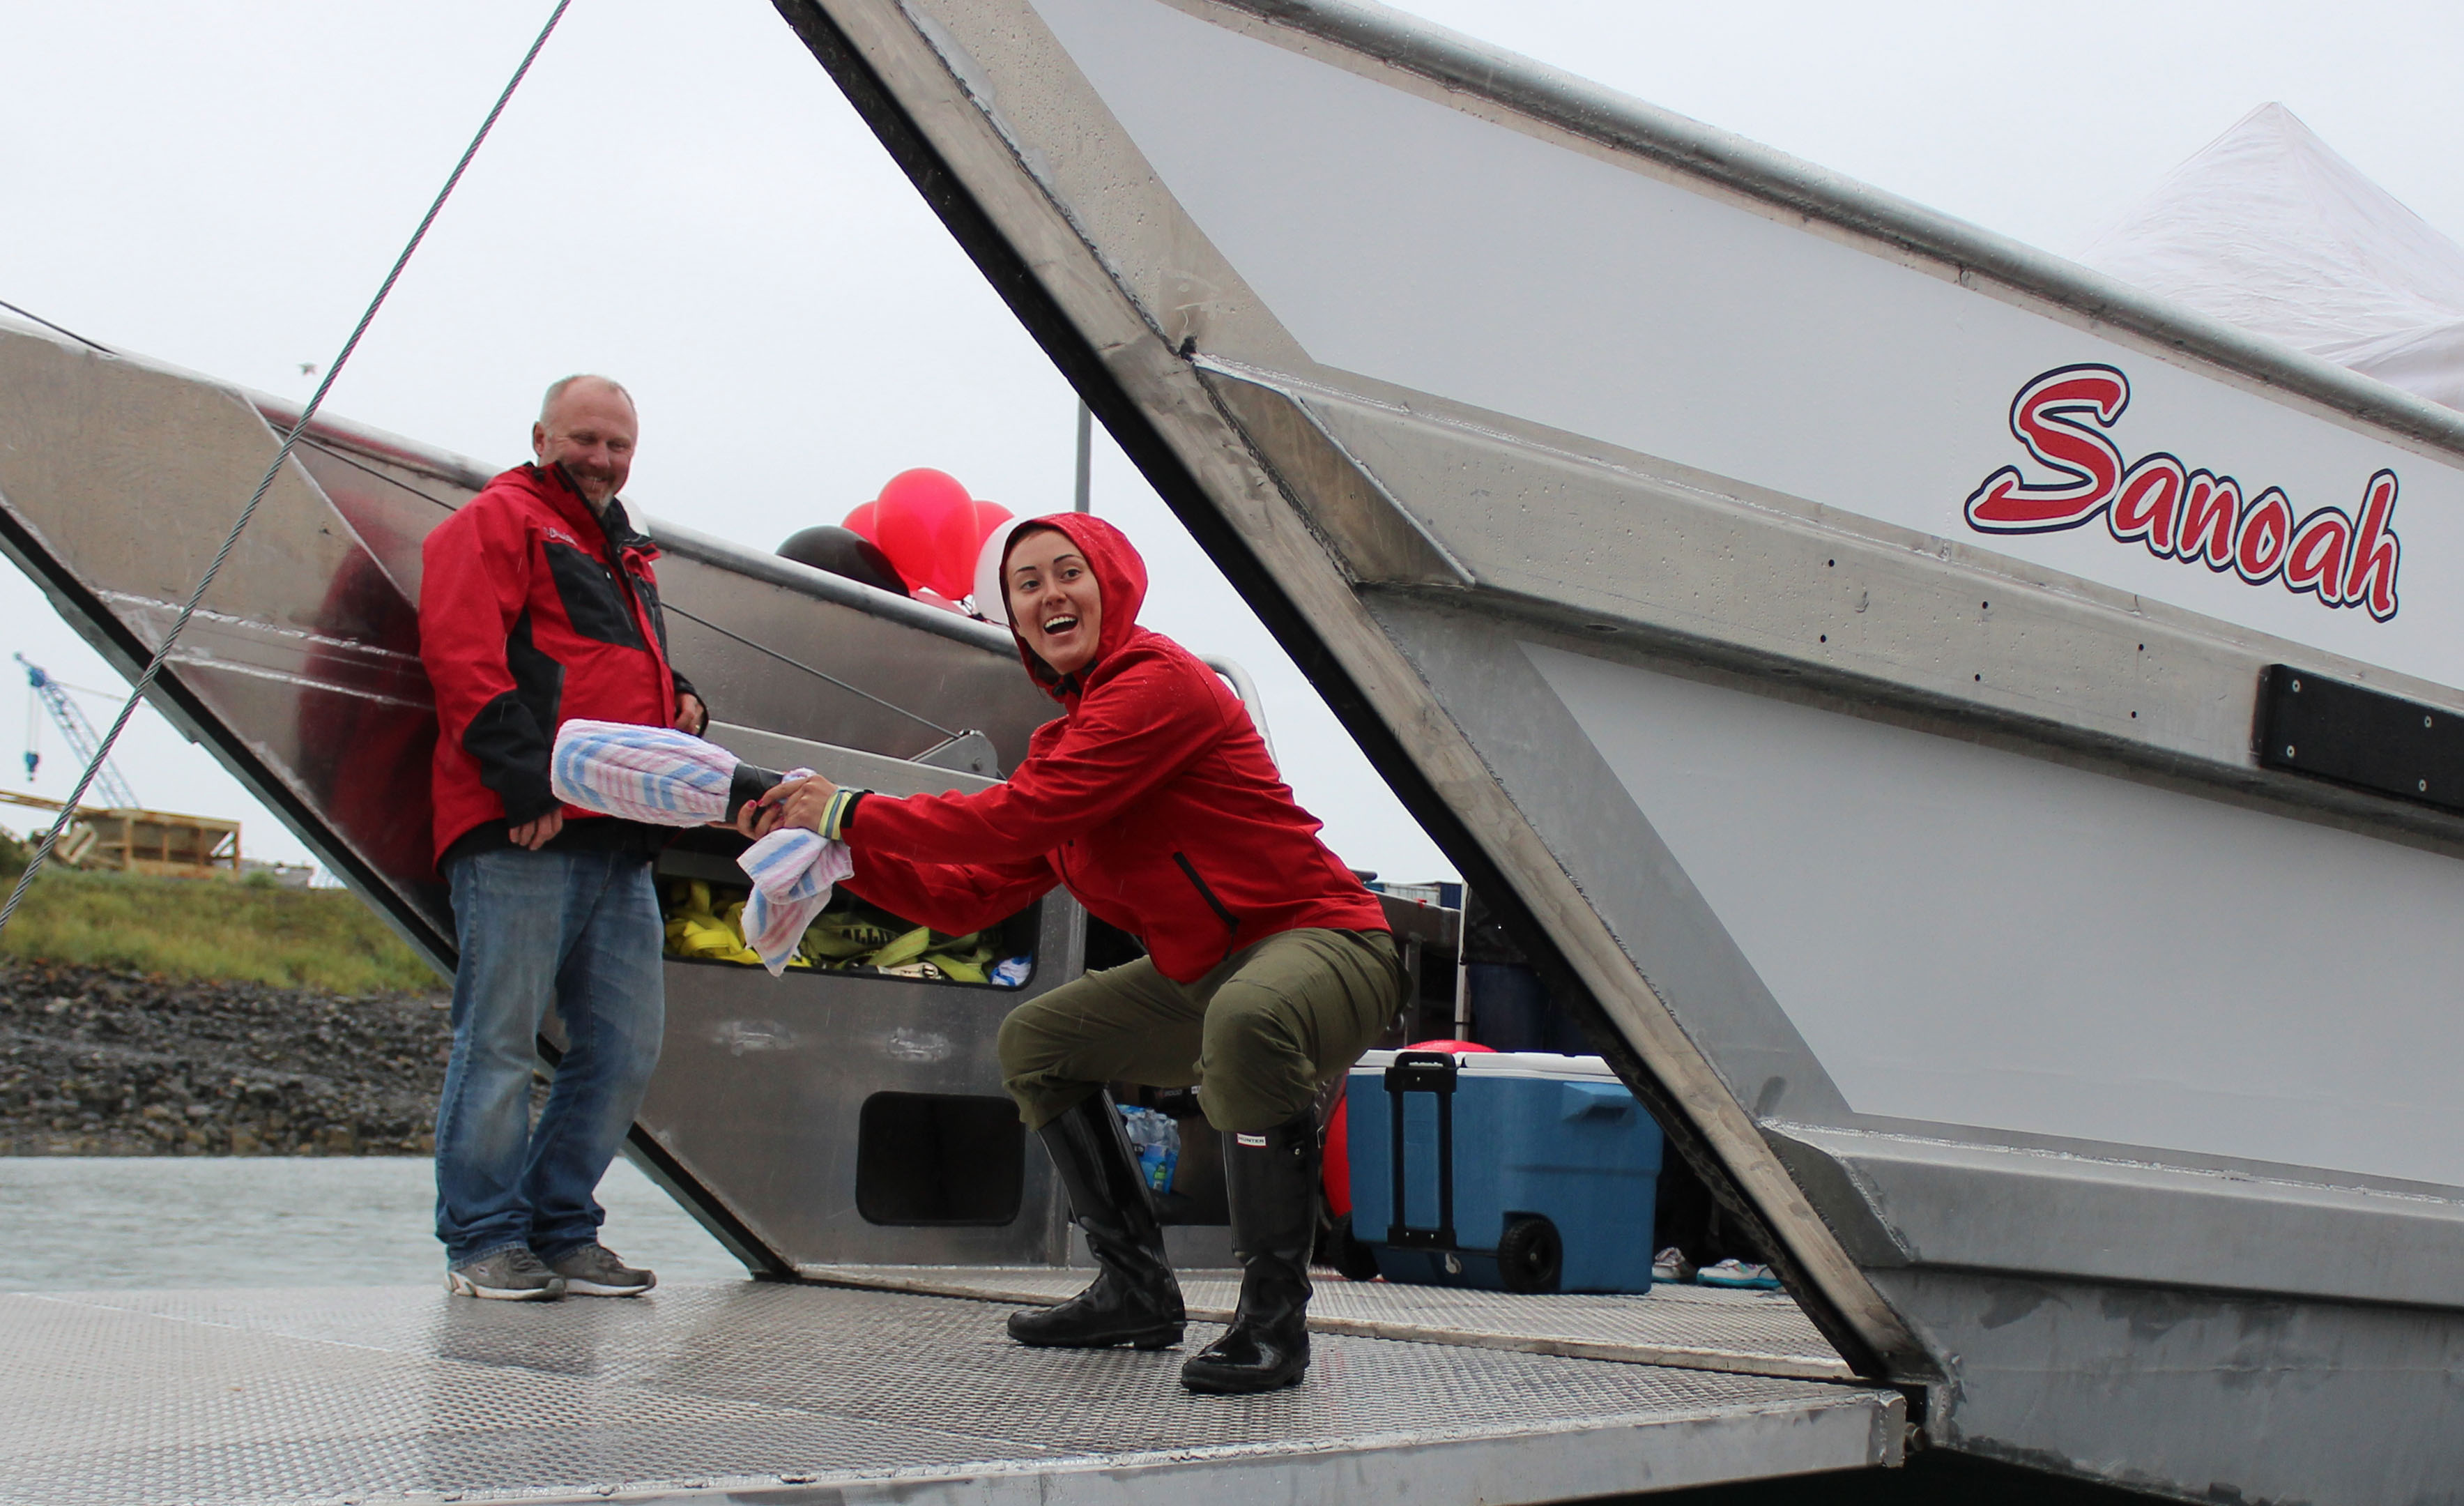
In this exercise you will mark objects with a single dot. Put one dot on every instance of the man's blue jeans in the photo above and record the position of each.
(578, 931)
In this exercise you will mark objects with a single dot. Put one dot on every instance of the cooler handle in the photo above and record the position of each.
(1432, 1072)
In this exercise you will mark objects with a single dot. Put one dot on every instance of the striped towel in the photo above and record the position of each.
(650, 774)
(792, 871)
(673, 779)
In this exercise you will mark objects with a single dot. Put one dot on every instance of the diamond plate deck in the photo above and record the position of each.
(1692, 1327)
(796, 1394)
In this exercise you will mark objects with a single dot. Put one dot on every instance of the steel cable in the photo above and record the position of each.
(290, 441)
(57, 329)
(823, 674)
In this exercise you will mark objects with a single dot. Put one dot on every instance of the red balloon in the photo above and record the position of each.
(863, 521)
(927, 524)
(989, 516)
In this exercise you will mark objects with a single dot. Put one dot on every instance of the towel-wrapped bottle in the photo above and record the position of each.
(675, 779)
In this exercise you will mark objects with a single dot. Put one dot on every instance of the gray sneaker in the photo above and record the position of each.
(594, 1271)
(509, 1274)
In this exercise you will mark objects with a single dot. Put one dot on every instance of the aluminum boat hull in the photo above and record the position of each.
(300, 672)
(1683, 530)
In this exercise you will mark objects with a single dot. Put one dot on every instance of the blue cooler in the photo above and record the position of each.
(1520, 1171)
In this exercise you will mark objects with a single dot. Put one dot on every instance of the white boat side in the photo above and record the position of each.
(1829, 630)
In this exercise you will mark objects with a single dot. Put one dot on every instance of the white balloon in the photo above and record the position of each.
(990, 600)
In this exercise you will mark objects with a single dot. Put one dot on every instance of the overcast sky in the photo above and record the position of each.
(680, 197)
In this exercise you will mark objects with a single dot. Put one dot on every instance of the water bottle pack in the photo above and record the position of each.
(1155, 1139)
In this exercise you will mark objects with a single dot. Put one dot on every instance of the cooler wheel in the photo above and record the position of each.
(1531, 1257)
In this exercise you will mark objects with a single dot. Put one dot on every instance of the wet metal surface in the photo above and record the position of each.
(785, 1393)
(1691, 1327)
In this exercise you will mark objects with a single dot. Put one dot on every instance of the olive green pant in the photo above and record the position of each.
(1256, 1036)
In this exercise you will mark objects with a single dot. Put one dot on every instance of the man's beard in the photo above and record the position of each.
(595, 490)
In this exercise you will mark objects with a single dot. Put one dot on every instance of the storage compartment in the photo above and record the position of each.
(794, 1086)
(1520, 1172)
(931, 1158)
(701, 899)
(855, 1104)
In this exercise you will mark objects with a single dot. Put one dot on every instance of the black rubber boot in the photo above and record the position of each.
(1271, 1179)
(1134, 1299)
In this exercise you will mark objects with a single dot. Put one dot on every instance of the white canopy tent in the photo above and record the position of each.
(2268, 229)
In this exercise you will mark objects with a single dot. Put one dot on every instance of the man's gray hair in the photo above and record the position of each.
(556, 389)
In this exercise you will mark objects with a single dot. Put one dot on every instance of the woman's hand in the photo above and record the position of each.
(759, 818)
(796, 801)
(803, 803)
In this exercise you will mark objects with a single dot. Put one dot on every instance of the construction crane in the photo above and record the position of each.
(82, 738)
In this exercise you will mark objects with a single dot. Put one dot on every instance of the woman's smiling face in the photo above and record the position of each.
(1053, 599)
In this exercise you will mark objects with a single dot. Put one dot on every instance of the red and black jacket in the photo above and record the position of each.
(534, 611)
(1152, 797)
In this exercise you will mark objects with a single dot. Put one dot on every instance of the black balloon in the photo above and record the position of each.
(843, 552)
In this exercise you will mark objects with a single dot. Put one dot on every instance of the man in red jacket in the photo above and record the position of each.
(538, 605)
(1269, 968)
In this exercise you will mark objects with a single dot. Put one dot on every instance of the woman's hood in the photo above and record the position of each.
(1121, 581)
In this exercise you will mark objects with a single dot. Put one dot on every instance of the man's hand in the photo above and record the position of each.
(536, 834)
(691, 716)
(795, 801)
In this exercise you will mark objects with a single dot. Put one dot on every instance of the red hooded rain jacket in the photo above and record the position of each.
(1151, 798)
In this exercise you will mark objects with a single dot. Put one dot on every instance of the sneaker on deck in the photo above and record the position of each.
(1738, 1275)
(594, 1271)
(511, 1273)
(1671, 1265)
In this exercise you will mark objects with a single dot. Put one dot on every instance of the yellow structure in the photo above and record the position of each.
(144, 841)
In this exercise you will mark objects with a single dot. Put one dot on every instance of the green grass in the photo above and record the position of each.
(212, 929)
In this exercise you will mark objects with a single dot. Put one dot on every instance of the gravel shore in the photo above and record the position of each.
(101, 1063)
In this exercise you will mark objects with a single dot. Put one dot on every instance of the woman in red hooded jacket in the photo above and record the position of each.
(1269, 970)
